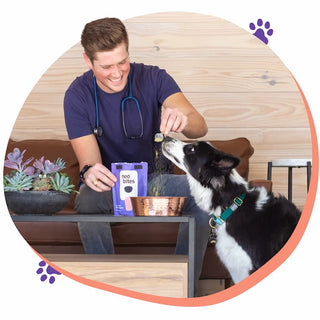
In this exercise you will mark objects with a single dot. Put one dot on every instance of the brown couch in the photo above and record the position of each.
(153, 238)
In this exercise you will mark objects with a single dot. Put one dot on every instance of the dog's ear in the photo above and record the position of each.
(225, 162)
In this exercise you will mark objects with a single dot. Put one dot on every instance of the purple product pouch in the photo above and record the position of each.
(132, 181)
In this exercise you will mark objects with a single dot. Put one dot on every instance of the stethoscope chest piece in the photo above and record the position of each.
(98, 131)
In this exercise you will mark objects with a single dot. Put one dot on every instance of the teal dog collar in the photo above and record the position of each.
(237, 202)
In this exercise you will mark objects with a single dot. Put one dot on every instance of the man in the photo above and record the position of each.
(106, 126)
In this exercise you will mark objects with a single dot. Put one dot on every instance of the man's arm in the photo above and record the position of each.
(98, 177)
(180, 116)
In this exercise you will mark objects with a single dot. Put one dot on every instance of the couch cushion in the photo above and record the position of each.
(46, 233)
(124, 234)
(164, 234)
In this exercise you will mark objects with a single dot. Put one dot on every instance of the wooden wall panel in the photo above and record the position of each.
(236, 81)
(250, 110)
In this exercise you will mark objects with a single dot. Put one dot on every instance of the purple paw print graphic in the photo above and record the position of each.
(49, 271)
(262, 30)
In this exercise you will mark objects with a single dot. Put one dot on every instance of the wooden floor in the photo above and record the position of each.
(210, 286)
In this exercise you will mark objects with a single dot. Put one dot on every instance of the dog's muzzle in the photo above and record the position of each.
(167, 145)
(173, 150)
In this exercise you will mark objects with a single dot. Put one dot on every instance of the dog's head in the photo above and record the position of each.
(201, 160)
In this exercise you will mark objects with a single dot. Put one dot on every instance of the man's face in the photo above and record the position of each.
(111, 68)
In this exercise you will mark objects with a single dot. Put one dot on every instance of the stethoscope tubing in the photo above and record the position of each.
(96, 101)
(98, 129)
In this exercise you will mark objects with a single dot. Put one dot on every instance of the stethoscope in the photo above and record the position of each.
(98, 131)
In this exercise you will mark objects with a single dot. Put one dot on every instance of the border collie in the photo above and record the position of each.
(251, 224)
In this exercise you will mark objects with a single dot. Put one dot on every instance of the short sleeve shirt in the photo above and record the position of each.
(150, 86)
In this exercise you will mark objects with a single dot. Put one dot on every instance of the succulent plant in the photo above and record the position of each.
(14, 161)
(61, 182)
(43, 175)
(41, 183)
(44, 167)
(60, 163)
(17, 182)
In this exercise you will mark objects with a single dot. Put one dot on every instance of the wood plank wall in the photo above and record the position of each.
(236, 81)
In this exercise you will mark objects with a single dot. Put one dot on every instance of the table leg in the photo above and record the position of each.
(290, 183)
(308, 174)
(269, 170)
(191, 262)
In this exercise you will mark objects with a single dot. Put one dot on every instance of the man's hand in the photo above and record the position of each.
(173, 120)
(179, 115)
(99, 178)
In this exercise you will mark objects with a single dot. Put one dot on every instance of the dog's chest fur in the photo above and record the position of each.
(200, 194)
(236, 260)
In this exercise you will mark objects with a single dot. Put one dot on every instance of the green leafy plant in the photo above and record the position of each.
(60, 182)
(18, 181)
(43, 175)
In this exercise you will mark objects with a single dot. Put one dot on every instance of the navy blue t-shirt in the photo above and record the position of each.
(150, 85)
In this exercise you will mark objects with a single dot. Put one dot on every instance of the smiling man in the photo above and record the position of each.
(112, 113)
(111, 74)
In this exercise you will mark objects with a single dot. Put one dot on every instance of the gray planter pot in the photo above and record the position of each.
(36, 202)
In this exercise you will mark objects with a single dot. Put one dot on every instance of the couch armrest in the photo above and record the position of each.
(261, 183)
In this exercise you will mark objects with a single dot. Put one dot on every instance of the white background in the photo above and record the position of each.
(34, 34)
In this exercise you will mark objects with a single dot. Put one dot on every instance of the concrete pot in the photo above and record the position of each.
(36, 202)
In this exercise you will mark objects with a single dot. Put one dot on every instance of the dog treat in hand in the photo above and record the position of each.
(158, 137)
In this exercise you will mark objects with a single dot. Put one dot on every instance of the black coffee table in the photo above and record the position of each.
(136, 219)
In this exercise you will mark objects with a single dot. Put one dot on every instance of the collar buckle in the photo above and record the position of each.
(217, 220)
(238, 201)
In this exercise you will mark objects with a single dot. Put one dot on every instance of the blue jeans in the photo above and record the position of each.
(97, 237)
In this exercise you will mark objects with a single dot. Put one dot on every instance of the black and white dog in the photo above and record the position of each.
(252, 224)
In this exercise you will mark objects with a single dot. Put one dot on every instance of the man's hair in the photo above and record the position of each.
(103, 35)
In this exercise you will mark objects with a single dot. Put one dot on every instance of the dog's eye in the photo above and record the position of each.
(189, 149)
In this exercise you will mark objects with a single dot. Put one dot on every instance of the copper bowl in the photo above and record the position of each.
(157, 206)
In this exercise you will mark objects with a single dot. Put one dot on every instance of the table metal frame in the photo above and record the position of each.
(290, 164)
(136, 219)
